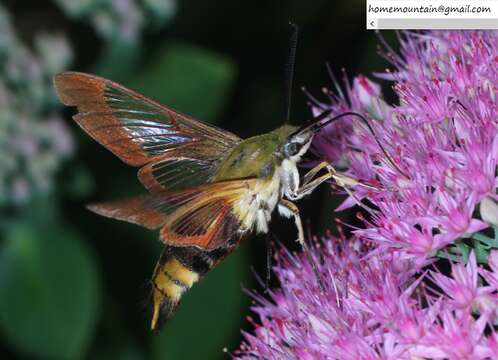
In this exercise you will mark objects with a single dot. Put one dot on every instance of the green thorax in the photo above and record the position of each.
(254, 157)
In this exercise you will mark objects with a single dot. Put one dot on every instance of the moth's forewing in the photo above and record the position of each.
(142, 132)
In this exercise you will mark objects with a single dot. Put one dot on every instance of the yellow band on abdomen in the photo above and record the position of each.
(170, 280)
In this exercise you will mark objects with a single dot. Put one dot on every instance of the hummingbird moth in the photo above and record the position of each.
(207, 188)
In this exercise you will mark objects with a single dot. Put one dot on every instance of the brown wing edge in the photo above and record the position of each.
(65, 81)
(135, 210)
(86, 92)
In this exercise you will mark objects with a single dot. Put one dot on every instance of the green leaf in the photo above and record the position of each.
(49, 292)
(481, 252)
(485, 240)
(479, 243)
(210, 315)
(443, 254)
(464, 250)
(189, 79)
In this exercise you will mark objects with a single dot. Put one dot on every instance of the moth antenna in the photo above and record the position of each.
(289, 69)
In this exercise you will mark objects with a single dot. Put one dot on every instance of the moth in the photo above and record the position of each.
(207, 188)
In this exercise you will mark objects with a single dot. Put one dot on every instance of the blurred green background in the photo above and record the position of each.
(73, 285)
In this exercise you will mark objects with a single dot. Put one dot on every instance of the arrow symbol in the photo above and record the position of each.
(372, 23)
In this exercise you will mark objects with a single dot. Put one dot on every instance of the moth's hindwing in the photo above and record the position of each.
(203, 216)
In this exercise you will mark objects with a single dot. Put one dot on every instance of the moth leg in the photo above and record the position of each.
(345, 181)
(308, 185)
(339, 178)
(288, 209)
(309, 175)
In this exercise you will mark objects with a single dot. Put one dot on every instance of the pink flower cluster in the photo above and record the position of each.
(374, 308)
(441, 142)
(428, 189)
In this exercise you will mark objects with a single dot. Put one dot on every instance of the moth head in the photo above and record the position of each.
(296, 145)
(292, 145)
(295, 141)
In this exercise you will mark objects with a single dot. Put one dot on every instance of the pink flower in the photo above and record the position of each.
(459, 336)
(463, 286)
(440, 143)
(437, 163)
(369, 309)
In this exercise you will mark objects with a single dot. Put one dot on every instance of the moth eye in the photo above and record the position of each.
(291, 149)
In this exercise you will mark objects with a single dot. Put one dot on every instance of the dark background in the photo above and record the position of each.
(221, 61)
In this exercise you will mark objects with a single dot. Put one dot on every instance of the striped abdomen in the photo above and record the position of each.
(176, 271)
